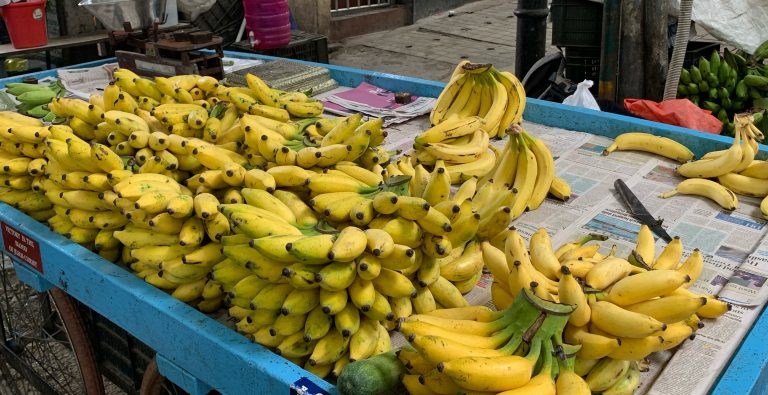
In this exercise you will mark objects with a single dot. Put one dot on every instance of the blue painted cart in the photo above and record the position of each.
(198, 353)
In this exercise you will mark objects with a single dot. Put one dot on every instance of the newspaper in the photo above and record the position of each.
(376, 102)
(734, 244)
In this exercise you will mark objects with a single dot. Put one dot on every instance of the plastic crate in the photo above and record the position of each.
(576, 23)
(582, 63)
(303, 46)
(697, 49)
(223, 18)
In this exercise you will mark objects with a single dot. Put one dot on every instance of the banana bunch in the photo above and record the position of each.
(34, 98)
(726, 84)
(720, 175)
(22, 164)
(303, 144)
(518, 350)
(474, 89)
(625, 309)
(461, 143)
(519, 181)
(76, 177)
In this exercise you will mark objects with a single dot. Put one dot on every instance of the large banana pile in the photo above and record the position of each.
(244, 197)
(478, 103)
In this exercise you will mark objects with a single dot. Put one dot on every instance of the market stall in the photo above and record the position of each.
(199, 354)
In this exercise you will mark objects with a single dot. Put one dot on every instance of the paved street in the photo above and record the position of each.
(482, 31)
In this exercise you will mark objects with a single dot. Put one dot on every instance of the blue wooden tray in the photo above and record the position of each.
(199, 354)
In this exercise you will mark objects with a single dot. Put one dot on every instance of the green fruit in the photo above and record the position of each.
(682, 91)
(38, 111)
(756, 81)
(379, 374)
(695, 74)
(727, 103)
(734, 74)
(742, 90)
(685, 76)
(724, 73)
(722, 115)
(712, 80)
(737, 105)
(695, 99)
(713, 93)
(711, 106)
(693, 89)
(703, 65)
(714, 62)
(34, 98)
(723, 93)
(703, 87)
(754, 93)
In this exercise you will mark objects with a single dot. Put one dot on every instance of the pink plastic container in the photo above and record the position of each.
(267, 23)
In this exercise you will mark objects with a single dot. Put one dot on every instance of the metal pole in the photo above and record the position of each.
(655, 61)
(609, 56)
(630, 74)
(531, 34)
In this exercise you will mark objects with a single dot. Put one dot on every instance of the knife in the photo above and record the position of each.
(639, 211)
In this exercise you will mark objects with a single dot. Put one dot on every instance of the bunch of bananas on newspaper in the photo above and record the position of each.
(717, 175)
(477, 104)
(605, 316)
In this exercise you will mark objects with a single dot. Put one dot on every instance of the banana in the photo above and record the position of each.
(669, 309)
(710, 189)
(348, 245)
(649, 143)
(570, 292)
(744, 185)
(464, 153)
(317, 325)
(446, 293)
(620, 322)
(670, 256)
(646, 285)
(337, 276)
(332, 302)
(710, 168)
(607, 272)
(628, 383)
(329, 349)
(692, 267)
(606, 373)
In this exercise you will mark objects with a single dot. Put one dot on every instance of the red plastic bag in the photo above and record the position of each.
(679, 112)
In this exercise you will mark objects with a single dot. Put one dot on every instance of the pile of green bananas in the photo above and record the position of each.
(727, 84)
(34, 98)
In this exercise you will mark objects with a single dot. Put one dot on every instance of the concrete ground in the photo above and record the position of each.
(482, 31)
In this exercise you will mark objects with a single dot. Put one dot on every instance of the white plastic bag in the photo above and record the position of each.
(582, 97)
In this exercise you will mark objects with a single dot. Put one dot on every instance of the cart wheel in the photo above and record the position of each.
(43, 341)
(154, 383)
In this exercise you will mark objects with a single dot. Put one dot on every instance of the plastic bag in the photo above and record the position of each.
(679, 112)
(582, 97)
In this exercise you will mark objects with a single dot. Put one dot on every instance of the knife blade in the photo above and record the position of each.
(639, 211)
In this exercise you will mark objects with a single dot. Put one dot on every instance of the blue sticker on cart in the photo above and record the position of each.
(305, 386)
